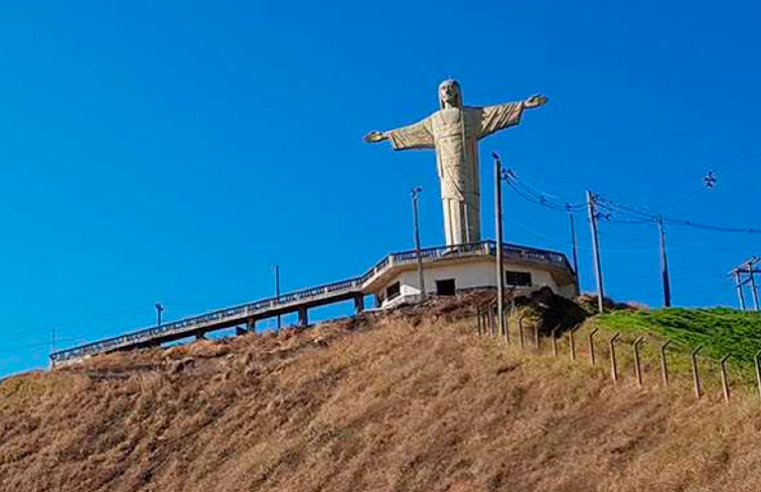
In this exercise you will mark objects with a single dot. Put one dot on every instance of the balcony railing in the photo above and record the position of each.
(335, 289)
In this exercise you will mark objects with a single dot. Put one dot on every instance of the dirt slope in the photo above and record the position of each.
(397, 402)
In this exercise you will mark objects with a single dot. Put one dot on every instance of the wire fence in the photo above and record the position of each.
(645, 359)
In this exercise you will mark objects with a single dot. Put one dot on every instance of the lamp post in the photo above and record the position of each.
(159, 310)
(415, 193)
(276, 270)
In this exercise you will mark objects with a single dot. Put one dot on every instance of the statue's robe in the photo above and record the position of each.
(454, 132)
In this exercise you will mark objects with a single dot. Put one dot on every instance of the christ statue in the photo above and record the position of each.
(454, 131)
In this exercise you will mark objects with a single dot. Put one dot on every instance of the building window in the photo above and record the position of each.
(392, 291)
(518, 279)
(445, 287)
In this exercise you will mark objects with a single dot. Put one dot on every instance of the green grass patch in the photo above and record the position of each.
(720, 331)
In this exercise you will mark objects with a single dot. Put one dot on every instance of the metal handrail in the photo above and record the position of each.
(343, 286)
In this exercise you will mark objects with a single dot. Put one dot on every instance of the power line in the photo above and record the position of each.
(640, 215)
(633, 215)
(559, 242)
(687, 223)
(736, 166)
(625, 237)
(601, 208)
(694, 280)
(27, 348)
(91, 320)
(534, 195)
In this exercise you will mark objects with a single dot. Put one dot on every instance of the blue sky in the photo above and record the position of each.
(174, 151)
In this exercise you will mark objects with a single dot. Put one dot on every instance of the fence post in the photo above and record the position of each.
(724, 379)
(637, 368)
(555, 346)
(664, 365)
(572, 341)
(520, 331)
(592, 345)
(497, 328)
(506, 319)
(490, 310)
(536, 337)
(613, 362)
(479, 320)
(758, 370)
(695, 374)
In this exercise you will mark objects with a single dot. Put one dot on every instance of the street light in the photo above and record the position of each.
(276, 270)
(159, 310)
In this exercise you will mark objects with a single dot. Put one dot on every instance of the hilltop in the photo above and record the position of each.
(411, 399)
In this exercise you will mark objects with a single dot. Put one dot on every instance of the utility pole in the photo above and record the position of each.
(276, 269)
(664, 265)
(159, 310)
(500, 276)
(52, 334)
(753, 291)
(595, 249)
(739, 287)
(748, 268)
(415, 193)
(575, 246)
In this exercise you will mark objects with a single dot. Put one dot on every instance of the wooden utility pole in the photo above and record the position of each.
(595, 249)
(500, 276)
(575, 246)
(415, 192)
(664, 265)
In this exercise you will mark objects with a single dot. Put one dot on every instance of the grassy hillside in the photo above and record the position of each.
(719, 330)
(411, 400)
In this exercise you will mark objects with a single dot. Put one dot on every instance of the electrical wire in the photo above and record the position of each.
(533, 194)
(640, 215)
(736, 166)
(120, 315)
(710, 227)
(632, 215)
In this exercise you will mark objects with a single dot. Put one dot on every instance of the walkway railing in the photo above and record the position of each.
(327, 291)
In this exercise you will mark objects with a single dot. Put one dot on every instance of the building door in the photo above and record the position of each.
(445, 287)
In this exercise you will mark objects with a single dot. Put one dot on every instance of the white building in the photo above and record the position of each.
(451, 269)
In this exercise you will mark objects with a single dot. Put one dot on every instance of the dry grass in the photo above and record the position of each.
(408, 401)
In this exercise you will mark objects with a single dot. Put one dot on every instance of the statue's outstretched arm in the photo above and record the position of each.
(501, 116)
(375, 136)
(415, 136)
(535, 101)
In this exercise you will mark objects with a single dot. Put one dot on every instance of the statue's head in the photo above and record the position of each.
(450, 94)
